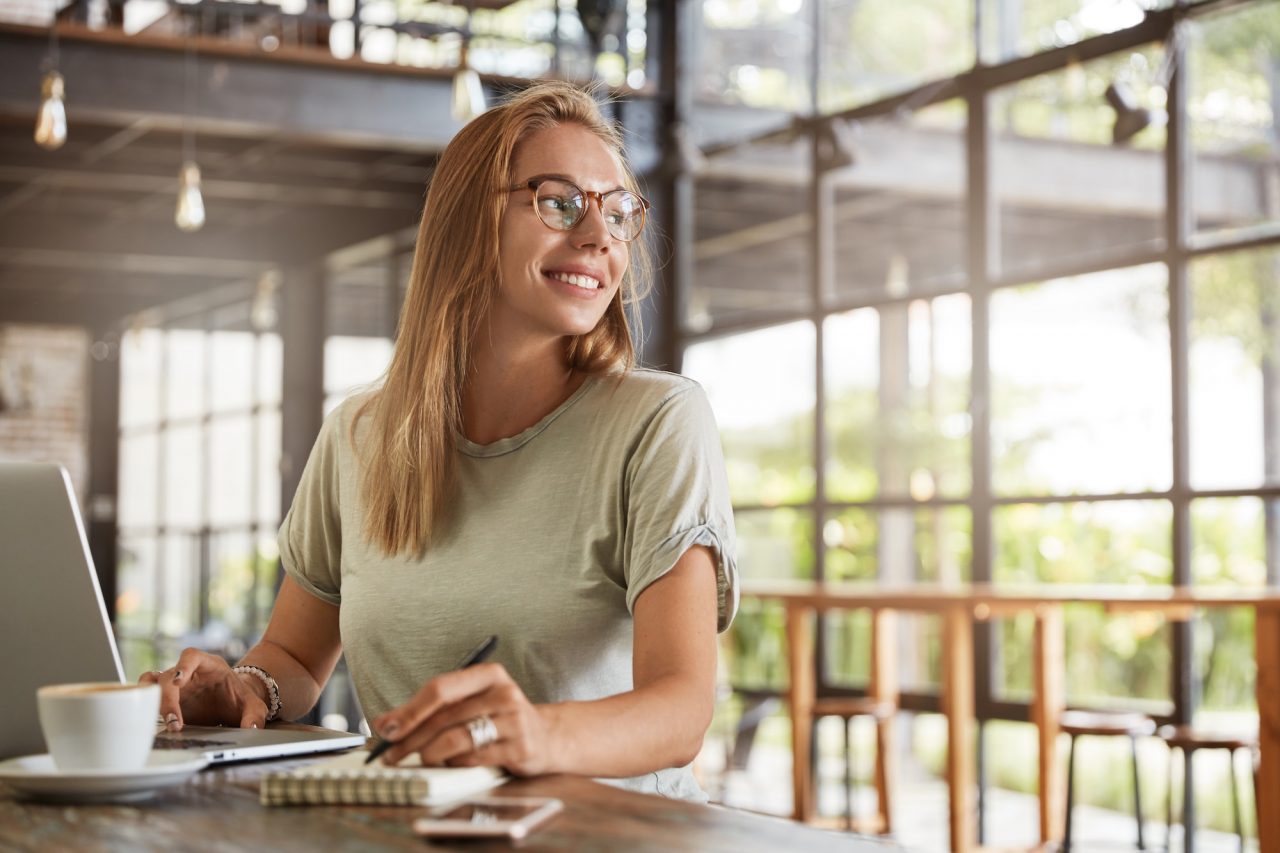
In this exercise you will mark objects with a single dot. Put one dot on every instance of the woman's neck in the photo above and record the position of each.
(510, 388)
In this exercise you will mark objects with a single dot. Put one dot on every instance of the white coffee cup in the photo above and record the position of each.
(99, 726)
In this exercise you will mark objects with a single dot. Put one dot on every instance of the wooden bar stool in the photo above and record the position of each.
(849, 708)
(1188, 740)
(1104, 724)
(880, 705)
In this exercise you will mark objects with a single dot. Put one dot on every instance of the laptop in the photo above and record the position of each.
(54, 627)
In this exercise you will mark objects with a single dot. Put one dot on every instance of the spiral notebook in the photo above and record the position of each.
(347, 780)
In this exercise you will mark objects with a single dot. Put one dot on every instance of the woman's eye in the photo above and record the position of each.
(556, 203)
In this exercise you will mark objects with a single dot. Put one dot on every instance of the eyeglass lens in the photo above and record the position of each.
(562, 205)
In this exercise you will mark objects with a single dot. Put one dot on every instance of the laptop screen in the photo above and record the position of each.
(53, 625)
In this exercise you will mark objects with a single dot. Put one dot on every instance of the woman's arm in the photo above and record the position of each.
(300, 648)
(660, 723)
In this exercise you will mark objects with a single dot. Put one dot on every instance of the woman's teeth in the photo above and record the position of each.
(586, 282)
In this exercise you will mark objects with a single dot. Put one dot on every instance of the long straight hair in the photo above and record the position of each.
(408, 456)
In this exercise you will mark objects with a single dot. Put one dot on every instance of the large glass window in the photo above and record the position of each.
(873, 48)
(756, 53)
(897, 400)
(1015, 318)
(1065, 193)
(1080, 385)
(1234, 75)
(1015, 28)
(199, 484)
(768, 449)
(1235, 370)
(899, 208)
(751, 249)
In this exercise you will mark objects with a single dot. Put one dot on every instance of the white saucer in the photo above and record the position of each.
(36, 776)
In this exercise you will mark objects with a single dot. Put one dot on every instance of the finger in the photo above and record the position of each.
(446, 718)
(446, 689)
(455, 744)
(170, 700)
(153, 677)
(191, 663)
(253, 718)
(194, 662)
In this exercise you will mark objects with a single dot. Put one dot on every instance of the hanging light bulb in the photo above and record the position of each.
(468, 94)
(51, 124)
(262, 314)
(190, 213)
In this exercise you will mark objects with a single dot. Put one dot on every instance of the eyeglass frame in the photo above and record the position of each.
(532, 186)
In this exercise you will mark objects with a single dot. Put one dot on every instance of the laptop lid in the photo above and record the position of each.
(54, 627)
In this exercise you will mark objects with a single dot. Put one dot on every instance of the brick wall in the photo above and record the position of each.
(44, 398)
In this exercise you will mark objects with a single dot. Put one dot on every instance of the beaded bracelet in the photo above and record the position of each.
(273, 689)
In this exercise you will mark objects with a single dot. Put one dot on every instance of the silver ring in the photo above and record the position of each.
(483, 732)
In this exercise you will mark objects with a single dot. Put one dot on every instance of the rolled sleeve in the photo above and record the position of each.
(678, 497)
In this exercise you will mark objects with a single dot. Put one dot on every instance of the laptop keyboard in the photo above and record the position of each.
(166, 742)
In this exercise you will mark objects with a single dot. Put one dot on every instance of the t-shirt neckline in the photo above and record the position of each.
(515, 442)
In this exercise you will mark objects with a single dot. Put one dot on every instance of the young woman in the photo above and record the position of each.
(513, 475)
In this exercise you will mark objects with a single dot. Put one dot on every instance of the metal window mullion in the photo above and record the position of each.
(1177, 234)
(255, 477)
(162, 503)
(204, 551)
(821, 281)
(1177, 238)
(982, 242)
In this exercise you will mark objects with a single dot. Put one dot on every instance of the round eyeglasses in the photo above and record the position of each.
(561, 205)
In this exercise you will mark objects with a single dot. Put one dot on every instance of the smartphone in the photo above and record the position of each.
(489, 817)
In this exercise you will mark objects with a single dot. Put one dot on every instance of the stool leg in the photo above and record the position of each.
(815, 776)
(1137, 793)
(1071, 790)
(884, 773)
(1235, 796)
(1168, 826)
(848, 771)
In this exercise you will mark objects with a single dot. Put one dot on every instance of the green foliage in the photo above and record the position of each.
(1235, 297)
(771, 465)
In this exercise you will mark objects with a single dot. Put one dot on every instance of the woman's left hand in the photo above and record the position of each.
(434, 723)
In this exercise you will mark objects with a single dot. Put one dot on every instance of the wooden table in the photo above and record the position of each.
(218, 809)
(960, 607)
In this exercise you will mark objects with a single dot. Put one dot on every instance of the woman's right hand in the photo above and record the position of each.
(202, 690)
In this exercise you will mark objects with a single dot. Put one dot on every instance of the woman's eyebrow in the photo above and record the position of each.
(557, 176)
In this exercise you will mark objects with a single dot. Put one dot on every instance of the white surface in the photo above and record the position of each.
(36, 775)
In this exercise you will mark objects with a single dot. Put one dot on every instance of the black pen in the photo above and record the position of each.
(477, 655)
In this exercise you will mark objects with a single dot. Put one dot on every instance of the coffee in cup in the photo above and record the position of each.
(99, 726)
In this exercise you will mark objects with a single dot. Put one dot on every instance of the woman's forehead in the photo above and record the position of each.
(570, 150)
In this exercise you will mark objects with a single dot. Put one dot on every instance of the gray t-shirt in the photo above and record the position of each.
(554, 534)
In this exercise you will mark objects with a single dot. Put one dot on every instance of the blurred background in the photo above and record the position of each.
(979, 289)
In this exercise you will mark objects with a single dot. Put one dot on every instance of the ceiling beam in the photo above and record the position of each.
(118, 80)
(149, 247)
(99, 179)
(76, 309)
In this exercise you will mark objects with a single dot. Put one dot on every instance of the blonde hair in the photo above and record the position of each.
(409, 455)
